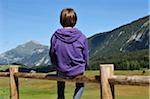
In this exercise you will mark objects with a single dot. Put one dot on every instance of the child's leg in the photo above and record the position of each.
(60, 89)
(78, 91)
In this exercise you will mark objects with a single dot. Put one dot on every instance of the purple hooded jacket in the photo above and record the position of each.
(69, 51)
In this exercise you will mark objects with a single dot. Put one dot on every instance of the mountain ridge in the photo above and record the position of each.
(120, 26)
(133, 36)
(29, 53)
(114, 40)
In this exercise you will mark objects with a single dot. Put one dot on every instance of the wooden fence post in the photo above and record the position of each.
(107, 89)
(14, 89)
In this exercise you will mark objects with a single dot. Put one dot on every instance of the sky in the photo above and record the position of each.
(25, 20)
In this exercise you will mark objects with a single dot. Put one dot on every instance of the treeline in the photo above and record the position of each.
(123, 61)
(24, 68)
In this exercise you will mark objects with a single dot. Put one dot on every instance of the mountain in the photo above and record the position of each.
(127, 38)
(126, 46)
(31, 53)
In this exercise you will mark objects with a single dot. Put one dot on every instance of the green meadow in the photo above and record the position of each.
(46, 89)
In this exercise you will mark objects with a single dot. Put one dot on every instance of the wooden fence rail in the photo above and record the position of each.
(107, 80)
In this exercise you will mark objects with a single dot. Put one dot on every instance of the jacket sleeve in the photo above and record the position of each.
(85, 53)
(52, 51)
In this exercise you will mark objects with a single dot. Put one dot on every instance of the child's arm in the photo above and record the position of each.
(52, 51)
(85, 53)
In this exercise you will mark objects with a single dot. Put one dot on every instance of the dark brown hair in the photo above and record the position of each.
(68, 17)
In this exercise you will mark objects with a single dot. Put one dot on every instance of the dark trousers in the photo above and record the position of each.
(61, 88)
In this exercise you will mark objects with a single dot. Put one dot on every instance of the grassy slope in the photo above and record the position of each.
(45, 89)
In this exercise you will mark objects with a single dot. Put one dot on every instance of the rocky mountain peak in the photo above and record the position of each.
(28, 52)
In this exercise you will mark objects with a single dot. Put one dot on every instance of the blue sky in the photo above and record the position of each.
(25, 20)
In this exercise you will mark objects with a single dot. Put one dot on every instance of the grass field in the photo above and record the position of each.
(46, 89)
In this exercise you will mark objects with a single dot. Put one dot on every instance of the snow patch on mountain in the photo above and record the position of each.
(39, 62)
(31, 53)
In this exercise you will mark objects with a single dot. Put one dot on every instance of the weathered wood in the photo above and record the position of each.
(130, 80)
(45, 76)
(4, 74)
(14, 91)
(119, 80)
(108, 80)
(106, 71)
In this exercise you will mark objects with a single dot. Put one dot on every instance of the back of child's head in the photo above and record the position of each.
(68, 17)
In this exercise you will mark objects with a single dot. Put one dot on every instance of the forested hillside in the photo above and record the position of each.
(126, 46)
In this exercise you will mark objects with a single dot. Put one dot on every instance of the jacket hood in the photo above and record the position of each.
(68, 35)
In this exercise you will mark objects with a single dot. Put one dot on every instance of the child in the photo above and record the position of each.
(69, 52)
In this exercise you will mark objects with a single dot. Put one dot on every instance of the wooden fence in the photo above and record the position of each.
(107, 80)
